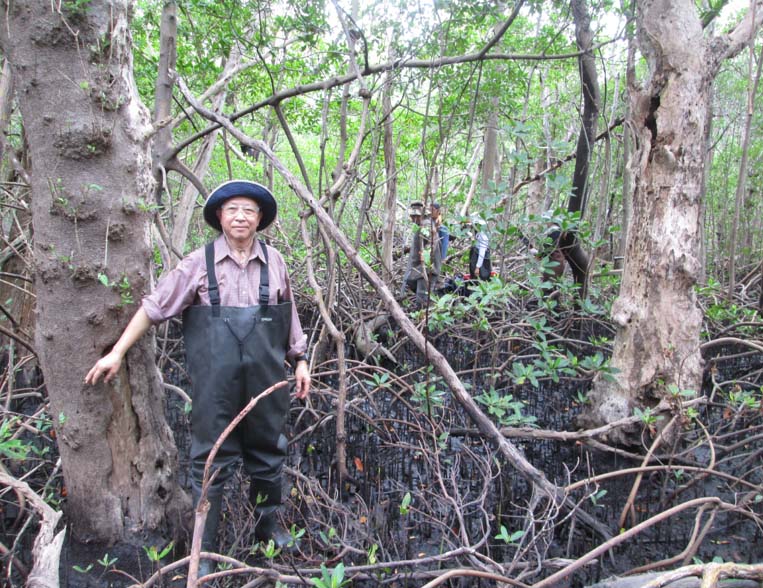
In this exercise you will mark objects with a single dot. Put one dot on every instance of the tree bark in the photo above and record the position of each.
(87, 133)
(657, 317)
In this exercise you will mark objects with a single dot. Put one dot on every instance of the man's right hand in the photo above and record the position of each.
(107, 366)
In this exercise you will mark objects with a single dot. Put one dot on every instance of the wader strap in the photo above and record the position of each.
(264, 279)
(214, 290)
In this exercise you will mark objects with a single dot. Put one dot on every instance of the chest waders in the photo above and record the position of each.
(233, 354)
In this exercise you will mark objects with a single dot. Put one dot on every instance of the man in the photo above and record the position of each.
(551, 250)
(435, 210)
(480, 265)
(419, 273)
(239, 325)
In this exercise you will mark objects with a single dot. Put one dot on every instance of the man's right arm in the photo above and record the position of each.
(109, 364)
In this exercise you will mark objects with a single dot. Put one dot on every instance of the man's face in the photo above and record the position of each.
(239, 218)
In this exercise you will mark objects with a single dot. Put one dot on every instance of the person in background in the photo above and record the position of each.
(422, 274)
(240, 324)
(480, 265)
(435, 210)
(550, 248)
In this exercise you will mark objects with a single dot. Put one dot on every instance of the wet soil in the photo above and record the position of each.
(401, 441)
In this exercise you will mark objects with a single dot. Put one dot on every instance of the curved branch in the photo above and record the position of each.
(625, 535)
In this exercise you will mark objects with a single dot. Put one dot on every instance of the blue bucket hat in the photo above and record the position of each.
(257, 192)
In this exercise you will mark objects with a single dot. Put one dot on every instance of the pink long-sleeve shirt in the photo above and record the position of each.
(239, 286)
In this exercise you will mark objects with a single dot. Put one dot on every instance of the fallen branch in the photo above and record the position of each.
(46, 551)
(711, 573)
(626, 535)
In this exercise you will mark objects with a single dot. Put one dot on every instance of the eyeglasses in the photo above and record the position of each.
(232, 210)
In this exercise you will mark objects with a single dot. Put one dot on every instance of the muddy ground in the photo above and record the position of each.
(405, 436)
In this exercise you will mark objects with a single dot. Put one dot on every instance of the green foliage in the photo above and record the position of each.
(582, 398)
(487, 302)
(331, 578)
(741, 400)
(427, 395)
(506, 410)
(378, 381)
(677, 392)
(147, 207)
(123, 287)
(598, 364)
(521, 373)
(269, 549)
(597, 496)
(155, 555)
(9, 447)
(371, 554)
(509, 538)
(296, 535)
(75, 8)
(82, 570)
(647, 416)
(405, 504)
(107, 561)
(330, 538)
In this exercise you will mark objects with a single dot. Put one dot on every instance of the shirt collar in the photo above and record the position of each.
(222, 250)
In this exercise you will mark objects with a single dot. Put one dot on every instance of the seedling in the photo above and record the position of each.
(371, 554)
(155, 555)
(405, 504)
(296, 535)
(331, 578)
(598, 496)
(509, 538)
(269, 549)
(328, 538)
(107, 561)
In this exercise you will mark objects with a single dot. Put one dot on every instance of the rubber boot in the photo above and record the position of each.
(267, 526)
(209, 538)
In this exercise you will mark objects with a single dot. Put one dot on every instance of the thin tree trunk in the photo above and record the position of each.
(490, 156)
(6, 103)
(742, 177)
(390, 184)
(570, 245)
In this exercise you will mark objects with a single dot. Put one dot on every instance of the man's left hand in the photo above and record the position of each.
(302, 376)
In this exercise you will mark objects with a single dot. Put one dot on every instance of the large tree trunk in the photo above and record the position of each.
(91, 165)
(658, 320)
